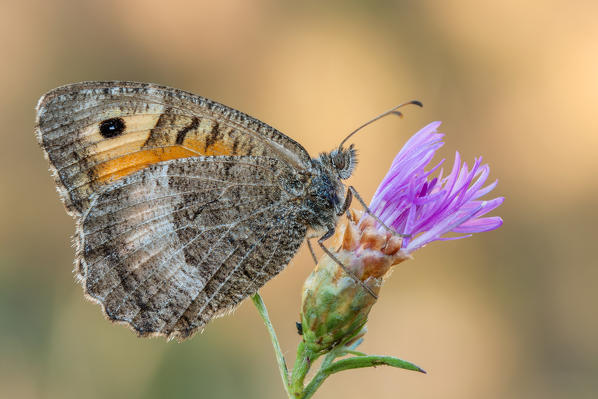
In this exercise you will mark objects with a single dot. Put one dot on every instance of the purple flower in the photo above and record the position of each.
(426, 208)
(336, 306)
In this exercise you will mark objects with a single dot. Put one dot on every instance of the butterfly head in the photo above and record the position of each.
(325, 192)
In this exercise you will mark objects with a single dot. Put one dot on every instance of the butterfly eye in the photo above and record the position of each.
(344, 161)
(339, 162)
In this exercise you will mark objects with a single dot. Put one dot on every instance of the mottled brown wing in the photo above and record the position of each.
(95, 133)
(168, 248)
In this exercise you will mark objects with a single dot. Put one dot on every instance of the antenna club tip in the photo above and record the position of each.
(416, 102)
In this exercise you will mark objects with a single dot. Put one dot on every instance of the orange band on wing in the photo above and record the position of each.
(216, 148)
(130, 163)
(127, 164)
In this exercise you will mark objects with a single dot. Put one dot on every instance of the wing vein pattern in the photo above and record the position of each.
(168, 267)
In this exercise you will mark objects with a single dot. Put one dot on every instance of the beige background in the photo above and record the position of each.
(510, 313)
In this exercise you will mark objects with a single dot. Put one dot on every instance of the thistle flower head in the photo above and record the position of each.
(411, 202)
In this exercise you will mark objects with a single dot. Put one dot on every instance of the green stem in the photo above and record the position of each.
(303, 362)
(282, 366)
(305, 359)
(354, 363)
(354, 353)
(328, 359)
(300, 369)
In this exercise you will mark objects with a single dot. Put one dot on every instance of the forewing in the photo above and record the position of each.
(168, 248)
(95, 133)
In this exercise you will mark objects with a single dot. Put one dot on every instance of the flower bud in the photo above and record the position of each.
(335, 307)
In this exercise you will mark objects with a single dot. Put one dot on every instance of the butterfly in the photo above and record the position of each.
(183, 206)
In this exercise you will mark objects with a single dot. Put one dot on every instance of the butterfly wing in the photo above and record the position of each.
(168, 248)
(94, 133)
(180, 202)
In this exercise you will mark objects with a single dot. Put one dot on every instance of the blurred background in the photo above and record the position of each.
(509, 313)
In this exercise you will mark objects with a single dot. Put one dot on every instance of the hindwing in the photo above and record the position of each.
(170, 247)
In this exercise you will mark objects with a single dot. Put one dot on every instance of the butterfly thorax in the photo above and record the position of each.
(325, 191)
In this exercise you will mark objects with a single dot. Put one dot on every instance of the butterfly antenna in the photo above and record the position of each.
(392, 111)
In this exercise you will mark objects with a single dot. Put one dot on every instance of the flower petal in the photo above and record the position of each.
(412, 201)
(479, 225)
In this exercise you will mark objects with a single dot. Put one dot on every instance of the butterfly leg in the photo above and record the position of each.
(321, 240)
(311, 250)
(347, 203)
(367, 210)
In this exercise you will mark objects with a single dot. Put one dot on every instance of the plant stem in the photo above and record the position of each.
(303, 362)
(354, 353)
(282, 366)
(354, 363)
(305, 359)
